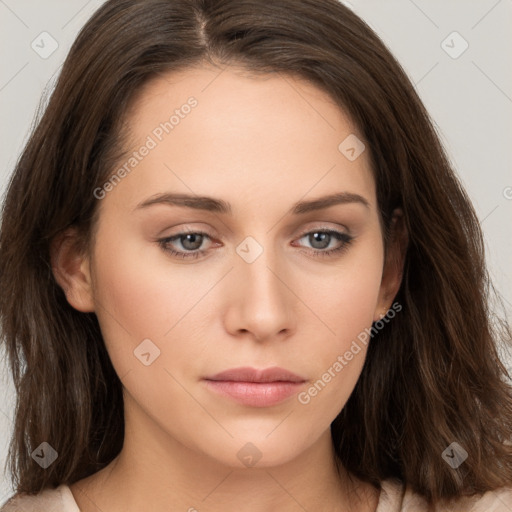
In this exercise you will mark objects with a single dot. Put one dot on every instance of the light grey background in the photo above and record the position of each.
(469, 98)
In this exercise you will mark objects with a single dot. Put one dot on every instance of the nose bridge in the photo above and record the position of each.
(258, 268)
(263, 302)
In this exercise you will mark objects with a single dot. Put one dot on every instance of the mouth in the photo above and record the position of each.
(256, 388)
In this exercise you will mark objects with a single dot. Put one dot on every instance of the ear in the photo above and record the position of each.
(393, 264)
(71, 270)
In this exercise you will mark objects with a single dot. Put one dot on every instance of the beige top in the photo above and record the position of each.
(393, 498)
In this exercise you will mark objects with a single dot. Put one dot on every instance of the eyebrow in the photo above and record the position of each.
(214, 205)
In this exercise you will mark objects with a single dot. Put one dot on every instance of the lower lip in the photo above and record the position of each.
(255, 394)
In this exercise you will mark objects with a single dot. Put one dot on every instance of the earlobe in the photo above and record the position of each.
(71, 270)
(393, 265)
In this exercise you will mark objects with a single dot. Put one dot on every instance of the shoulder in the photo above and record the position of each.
(498, 500)
(50, 500)
(397, 498)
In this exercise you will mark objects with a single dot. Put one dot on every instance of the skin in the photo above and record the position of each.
(261, 143)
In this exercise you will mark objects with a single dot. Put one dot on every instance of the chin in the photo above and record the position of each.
(258, 450)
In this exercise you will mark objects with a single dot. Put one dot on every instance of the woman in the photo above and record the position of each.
(196, 339)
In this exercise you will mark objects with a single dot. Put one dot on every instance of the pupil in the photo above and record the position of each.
(322, 237)
(192, 238)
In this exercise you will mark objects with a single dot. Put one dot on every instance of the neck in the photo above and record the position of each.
(155, 468)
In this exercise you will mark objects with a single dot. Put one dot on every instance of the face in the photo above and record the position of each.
(260, 275)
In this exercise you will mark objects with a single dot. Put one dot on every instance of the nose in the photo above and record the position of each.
(261, 301)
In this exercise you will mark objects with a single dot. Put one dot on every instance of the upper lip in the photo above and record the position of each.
(247, 374)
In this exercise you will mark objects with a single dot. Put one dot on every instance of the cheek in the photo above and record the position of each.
(141, 295)
(346, 303)
(132, 300)
(346, 298)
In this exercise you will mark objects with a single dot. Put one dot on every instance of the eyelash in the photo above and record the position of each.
(342, 237)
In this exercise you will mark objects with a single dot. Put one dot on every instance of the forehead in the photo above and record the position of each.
(232, 99)
(253, 137)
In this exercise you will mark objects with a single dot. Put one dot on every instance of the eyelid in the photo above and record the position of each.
(339, 227)
(213, 233)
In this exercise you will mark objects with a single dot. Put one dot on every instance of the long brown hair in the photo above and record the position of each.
(433, 376)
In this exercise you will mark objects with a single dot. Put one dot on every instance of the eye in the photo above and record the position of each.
(321, 239)
(191, 242)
